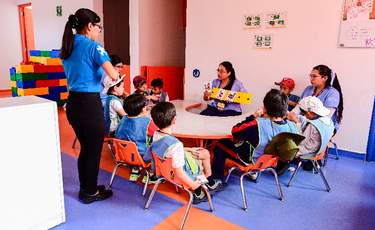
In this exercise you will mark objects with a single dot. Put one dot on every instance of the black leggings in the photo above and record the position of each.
(85, 114)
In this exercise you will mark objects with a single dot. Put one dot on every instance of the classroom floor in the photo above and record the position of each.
(306, 205)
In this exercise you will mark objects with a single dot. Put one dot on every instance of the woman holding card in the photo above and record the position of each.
(226, 79)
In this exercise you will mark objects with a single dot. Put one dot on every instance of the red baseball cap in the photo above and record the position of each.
(287, 82)
(138, 80)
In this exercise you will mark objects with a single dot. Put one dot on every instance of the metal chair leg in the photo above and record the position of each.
(153, 193)
(146, 184)
(113, 175)
(277, 182)
(317, 167)
(229, 172)
(326, 156)
(187, 209)
(337, 152)
(243, 191)
(295, 172)
(110, 146)
(209, 197)
(74, 142)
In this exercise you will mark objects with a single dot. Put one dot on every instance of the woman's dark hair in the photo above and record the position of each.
(162, 114)
(326, 71)
(134, 104)
(158, 82)
(229, 67)
(276, 103)
(115, 59)
(78, 21)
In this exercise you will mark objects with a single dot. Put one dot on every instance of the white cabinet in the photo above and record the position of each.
(31, 194)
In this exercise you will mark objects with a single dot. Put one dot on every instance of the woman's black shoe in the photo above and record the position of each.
(81, 192)
(101, 195)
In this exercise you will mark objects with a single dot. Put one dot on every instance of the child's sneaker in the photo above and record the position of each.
(253, 176)
(134, 175)
(217, 187)
(152, 180)
(199, 199)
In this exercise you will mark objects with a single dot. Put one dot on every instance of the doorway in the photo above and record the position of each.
(27, 30)
(116, 24)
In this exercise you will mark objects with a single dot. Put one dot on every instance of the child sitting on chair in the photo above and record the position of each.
(156, 94)
(136, 127)
(140, 84)
(315, 125)
(287, 85)
(113, 108)
(253, 134)
(166, 146)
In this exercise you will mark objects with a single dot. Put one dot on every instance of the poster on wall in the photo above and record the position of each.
(252, 21)
(276, 20)
(358, 24)
(263, 41)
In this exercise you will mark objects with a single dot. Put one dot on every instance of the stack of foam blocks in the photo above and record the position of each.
(42, 76)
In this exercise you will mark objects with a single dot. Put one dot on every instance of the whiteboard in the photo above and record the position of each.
(358, 24)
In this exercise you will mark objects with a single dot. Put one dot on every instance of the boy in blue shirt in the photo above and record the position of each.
(136, 127)
(253, 134)
(287, 86)
(166, 146)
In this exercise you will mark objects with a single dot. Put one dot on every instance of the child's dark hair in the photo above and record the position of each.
(158, 82)
(115, 59)
(276, 103)
(113, 87)
(162, 114)
(134, 104)
(326, 71)
(229, 67)
(78, 21)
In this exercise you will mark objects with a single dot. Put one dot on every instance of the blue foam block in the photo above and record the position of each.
(26, 84)
(58, 75)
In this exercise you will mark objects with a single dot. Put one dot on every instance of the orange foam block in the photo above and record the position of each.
(63, 82)
(64, 95)
(34, 91)
(50, 61)
(24, 69)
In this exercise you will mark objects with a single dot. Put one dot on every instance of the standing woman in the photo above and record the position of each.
(325, 86)
(226, 79)
(83, 59)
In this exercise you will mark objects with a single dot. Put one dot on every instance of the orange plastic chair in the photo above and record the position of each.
(127, 155)
(264, 163)
(108, 140)
(166, 172)
(316, 166)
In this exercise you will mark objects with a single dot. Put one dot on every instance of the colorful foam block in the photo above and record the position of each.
(52, 61)
(12, 77)
(40, 68)
(14, 90)
(26, 84)
(64, 95)
(61, 102)
(24, 69)
(35, 91)
(47, 83)
(13, 84)
(14, 94)
(36, 59)
(54, 53)
(52, 97)
(59, 75)
(58, 89)
(45, 53)
(31, 76)
(63, 82)
(35, 53)
(12, 71)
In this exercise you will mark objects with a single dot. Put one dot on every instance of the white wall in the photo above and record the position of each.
(48, 29)
(214, 34)
(10, 45)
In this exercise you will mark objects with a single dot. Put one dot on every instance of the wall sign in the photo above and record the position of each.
(196, 73)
